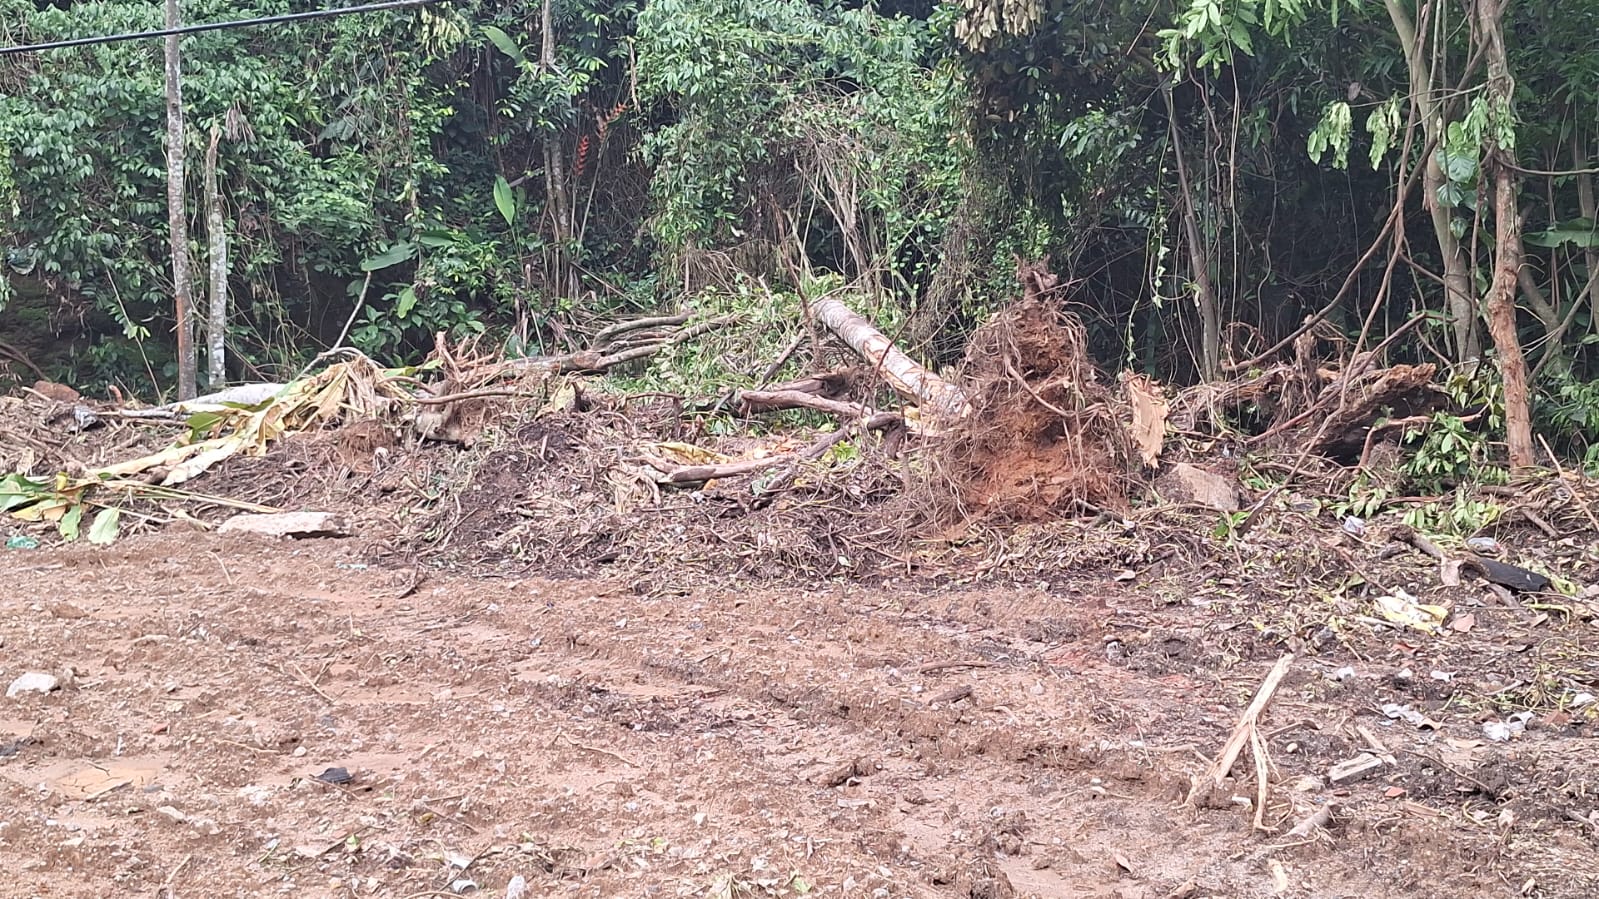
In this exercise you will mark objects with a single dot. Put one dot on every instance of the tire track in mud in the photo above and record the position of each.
(1020, 776)
(602, 743)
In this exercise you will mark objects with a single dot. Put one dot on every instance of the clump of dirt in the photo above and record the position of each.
(1043, 438)
(566, 493)
(40, 436)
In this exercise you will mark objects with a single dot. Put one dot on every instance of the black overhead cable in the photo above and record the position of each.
(216, 26)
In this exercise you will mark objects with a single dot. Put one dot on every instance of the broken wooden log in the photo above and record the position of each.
(232, 397)
(1515, 577)
(939, 397)
(600, 360)
(694, 474)
(782, 479)
(831, 384)
(608, 332)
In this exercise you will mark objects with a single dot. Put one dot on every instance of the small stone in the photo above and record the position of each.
(1185, 482)
(517, 888)
(1582, 699)
(33, 682)
(172, 813)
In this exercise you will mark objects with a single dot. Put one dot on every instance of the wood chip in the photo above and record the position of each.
(1354, 769)
(953, 694)
(287, 524)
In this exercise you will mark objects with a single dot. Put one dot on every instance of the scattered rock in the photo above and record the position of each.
(288, 524)
(1406, 713)
(33, 682)
(1190, 483)
(335, 776)
(517, 888)
(1508, 729)
(844, 772)
(171, 813)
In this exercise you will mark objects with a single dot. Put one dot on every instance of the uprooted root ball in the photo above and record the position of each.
(1043, 438)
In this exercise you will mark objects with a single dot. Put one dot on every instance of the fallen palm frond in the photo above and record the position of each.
(355, 388)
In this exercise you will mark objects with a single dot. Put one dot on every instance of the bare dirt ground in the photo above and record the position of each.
(594, 738)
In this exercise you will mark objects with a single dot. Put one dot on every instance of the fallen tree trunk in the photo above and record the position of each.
(907, 378)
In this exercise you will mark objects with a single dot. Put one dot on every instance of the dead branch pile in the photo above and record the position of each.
(1330, 411)
(565, 492)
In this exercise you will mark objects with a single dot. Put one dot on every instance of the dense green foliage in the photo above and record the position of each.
(449, 169)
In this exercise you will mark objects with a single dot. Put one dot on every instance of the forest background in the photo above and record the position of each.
(1216, 183)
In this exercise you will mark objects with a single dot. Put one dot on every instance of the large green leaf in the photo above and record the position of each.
(406, 301)
(1577, 232)
(16, 490)
(504, 200)
(69, 523)
(503, 41)
(104, 528)
(394, 255)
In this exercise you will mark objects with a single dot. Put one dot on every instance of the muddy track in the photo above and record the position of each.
(596, 742)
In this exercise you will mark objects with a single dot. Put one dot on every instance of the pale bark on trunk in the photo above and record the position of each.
(936, 395)
(1585, 202)
(177, 220)
(216, 329)
(1507, 245)
(1198, 264)
(1458, 292)
(557, 196)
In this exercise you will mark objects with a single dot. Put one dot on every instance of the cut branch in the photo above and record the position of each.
(774, 400)
(1244, 730)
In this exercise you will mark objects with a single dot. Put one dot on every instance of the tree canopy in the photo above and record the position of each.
(1212, 180)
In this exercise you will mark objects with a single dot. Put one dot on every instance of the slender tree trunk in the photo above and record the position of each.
(1585, 202)
(1508, 253)
(216, 329)
(1198, 264)
(1459, 295)
(555, 187)
(177, 221)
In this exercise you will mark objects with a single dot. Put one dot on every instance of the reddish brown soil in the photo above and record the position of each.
(724, 742)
